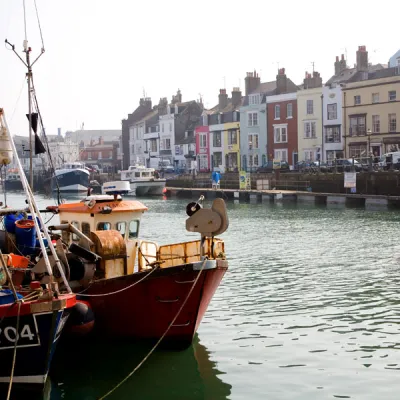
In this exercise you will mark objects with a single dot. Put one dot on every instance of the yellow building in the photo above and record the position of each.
(370, 110)
(232, 147)
(309, 118)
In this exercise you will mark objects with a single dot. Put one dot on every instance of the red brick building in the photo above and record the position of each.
(282, 141)
(102, 154)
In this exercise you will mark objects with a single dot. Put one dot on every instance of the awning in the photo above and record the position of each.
(357, 143)
(395, 140)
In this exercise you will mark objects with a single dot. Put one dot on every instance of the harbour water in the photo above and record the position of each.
(309, 309)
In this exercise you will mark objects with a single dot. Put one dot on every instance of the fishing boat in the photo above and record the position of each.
(143, 181)
(136, 288)
(71, 177)
(12, 181)
(32, 313)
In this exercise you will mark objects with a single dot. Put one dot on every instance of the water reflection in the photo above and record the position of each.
(87, 372)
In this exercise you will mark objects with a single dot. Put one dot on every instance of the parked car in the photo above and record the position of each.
(346, 165)
(268, 167)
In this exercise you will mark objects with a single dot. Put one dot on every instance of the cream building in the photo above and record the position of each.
(371, 107)
(309, 119)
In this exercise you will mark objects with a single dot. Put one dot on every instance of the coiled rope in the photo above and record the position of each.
(161, 338)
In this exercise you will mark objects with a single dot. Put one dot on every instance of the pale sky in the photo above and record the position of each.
(101, 54)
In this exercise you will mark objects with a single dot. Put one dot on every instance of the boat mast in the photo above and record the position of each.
(27, 50)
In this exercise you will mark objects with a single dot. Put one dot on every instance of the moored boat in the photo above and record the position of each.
(136, 288)
(143, 181)
(71, 177)
(32, 313)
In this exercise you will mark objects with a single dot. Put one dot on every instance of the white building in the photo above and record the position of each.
(332, 119)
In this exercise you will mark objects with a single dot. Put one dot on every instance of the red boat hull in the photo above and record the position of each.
(145, 310)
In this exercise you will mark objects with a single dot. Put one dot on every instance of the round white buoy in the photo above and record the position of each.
(6, 154)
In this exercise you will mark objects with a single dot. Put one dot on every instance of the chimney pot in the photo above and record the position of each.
(337, 58)
(342, 57)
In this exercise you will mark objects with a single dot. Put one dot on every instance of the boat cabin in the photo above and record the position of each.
(73, 165)
(109, 226)
(138, 173)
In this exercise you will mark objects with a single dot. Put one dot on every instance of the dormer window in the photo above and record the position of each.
(254, 99)
(205, 120)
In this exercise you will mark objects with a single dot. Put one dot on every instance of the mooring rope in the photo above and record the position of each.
(120, 290)
(15, 353)
(161, 338)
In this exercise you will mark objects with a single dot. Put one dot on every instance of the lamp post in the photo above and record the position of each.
(369, 132)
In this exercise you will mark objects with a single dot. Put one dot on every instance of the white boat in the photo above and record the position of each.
(72, 177)
(143, 180)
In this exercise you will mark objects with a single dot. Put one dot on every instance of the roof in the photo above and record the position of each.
(87, 134)
(348, 74)
(291, 87)
(116, 206)
(265, 87)
(228, 108)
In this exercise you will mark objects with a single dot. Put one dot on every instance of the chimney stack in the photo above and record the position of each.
(362, 59)
(312, 82)
(337, 66)
(223, 99)
(251, 82)
(281, 81)
(236, 96)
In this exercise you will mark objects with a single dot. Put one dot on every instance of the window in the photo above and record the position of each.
(170, 126)
(310, 130)
(253, 141)
(133, 150)
(74, 236)
(375, 97)
(309, 155)
(277, 111)
(280, 134)
(254, 99)
(358, 151)
(153, 145)
(167, 144)
(332, 111)
(86, 229)
(251, 158)
(255, 161)
(103, 226)
(134, 229)
(232, 137)
(392, 95)
(392, 123)
(217, 139)
(357, 100)
(121, 228)
(281, 155)
(252, 119)
(289, 110)
(310, 106)
(217, 159)
(203, 140)
(203, 161)
(357, 126)
(65, 234)
(162, 127)
(376, 124)
(332, 134)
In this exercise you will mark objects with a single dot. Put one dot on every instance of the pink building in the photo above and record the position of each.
(203, 148)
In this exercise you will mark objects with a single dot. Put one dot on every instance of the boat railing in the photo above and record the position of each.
(170, 255)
